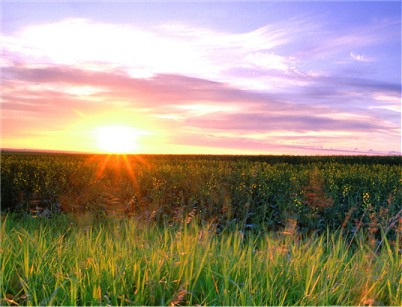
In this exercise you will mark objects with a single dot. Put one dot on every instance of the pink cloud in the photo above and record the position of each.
(181, 105)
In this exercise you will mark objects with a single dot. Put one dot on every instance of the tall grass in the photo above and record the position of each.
(79, 261)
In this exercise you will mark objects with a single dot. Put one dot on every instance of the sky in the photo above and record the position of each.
(302, 78)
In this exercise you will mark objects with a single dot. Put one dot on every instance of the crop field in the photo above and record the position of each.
(209, 230)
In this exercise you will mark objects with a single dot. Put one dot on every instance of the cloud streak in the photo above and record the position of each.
(360, 57)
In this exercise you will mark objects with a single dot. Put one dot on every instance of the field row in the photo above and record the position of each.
(317, 193)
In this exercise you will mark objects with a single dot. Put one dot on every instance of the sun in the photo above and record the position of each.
(117, 139)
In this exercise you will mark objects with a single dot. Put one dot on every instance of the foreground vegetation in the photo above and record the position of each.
(209, 230)
(71, 260)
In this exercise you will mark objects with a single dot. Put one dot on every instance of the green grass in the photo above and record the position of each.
(78, 261)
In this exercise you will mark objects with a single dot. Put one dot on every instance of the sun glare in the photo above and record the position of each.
(117, 139)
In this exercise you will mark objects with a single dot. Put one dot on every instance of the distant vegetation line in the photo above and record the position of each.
(395, 159)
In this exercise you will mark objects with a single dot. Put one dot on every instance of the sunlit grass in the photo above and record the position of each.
(62, 262)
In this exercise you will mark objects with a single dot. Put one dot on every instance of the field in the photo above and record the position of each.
(209, 230)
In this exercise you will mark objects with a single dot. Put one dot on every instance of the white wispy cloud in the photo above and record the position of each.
(173, 49)
(286, 47)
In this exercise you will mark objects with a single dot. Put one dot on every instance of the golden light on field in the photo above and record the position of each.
(117, 139)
